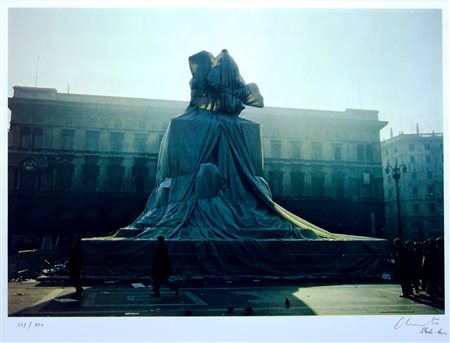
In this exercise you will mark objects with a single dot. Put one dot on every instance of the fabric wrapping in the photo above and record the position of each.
(212, 204)
(210, 185)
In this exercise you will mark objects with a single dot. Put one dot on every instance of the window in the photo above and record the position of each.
(90, 177)
(295, 149)
(429, 174)
(338, 184)
(115, 178)
(337, 153)
(411, 147)
(276, 182)
(67, 137)
(92, 140)
(63, 177)
(414, 175)
(275, 148)
(428, 159)
(318, 184)
(415, 191)
(430, 190)
(25, 137)
(366, 178)
(117, 141)
(297, 183)
(140, 142)
(140, 175)
(416, 208)
(369, 153)
(360, 153)
(316, 149)
(427, 146)
(412, 159)
(37, 138)
(366, 187)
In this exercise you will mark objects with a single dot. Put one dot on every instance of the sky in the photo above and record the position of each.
(328, 59)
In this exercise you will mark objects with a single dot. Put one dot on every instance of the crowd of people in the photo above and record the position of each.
(419, 267)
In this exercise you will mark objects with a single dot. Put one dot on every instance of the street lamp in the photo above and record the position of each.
(396, 172)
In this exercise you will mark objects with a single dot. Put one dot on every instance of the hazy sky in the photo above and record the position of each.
(330, 59)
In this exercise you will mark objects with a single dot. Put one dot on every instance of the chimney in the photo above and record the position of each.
(417, 128)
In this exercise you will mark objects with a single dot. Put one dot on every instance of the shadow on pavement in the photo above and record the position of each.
(219, 300)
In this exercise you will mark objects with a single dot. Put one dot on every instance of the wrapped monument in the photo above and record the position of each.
(211, 202)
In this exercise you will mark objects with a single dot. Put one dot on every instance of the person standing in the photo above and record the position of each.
(161, 268)
(401, 272)
(76, 265)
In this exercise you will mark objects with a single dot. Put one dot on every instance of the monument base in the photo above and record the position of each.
(130, 259)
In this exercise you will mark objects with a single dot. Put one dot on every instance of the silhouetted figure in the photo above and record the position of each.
(440, 267)
(411, 274)
(287, 303)
(76, 265)
(436, 269)
(417, 267)
(162, 268)
(428, 262)
(401, 269)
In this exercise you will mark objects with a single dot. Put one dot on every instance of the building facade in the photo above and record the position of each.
(420, 185)
(325, 166)
(86, 164)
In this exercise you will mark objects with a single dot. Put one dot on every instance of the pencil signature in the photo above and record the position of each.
(426, 327)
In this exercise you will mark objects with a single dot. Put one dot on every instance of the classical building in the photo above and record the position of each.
(419, 158)
(87, 164)
(325, 166)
